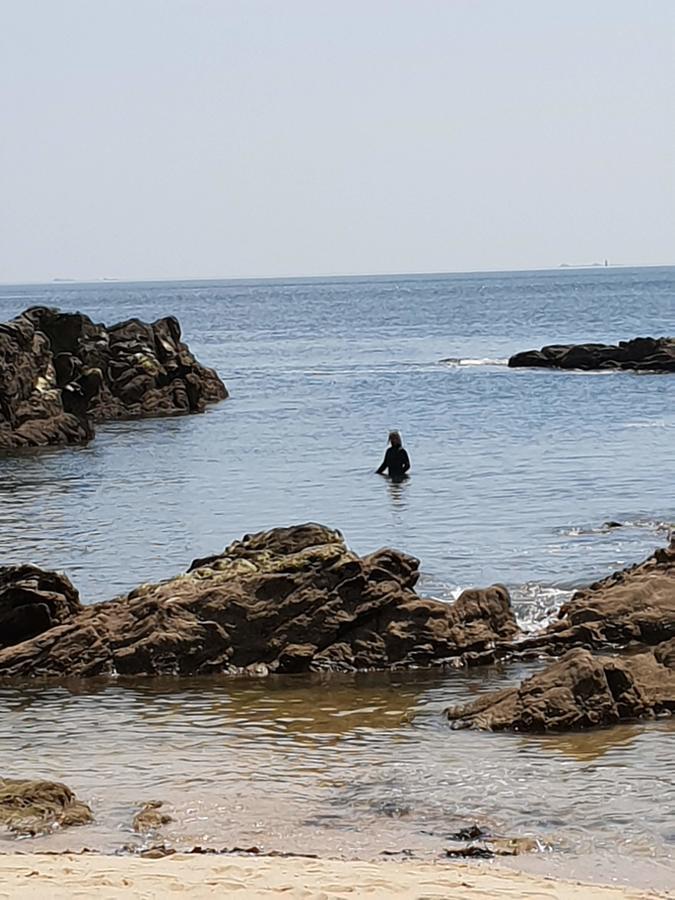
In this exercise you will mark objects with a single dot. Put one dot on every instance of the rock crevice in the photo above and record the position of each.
(60, 374)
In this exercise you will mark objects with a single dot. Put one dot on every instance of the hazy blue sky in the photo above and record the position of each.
(174, 138)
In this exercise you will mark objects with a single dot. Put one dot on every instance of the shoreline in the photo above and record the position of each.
(33, 875)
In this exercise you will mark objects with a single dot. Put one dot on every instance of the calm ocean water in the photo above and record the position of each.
(514, 473)
(511, 469)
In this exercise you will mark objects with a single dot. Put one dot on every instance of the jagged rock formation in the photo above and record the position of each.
(638, 355)
(631, 607)
(33, 601)
(579, 691)
(287, 600)
(631, 610)
(34, 807)
(60, 373)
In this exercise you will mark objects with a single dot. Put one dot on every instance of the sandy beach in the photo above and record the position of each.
(70, 876)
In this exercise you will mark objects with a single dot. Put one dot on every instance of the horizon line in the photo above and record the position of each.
(104, 279)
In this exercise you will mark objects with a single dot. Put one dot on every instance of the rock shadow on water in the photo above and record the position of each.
(586, 746)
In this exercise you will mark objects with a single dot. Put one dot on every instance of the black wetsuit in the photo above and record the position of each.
(396, 460)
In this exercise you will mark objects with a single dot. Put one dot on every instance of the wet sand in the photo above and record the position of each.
(70, 876)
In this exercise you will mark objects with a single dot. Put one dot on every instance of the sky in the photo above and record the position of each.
(260, 138)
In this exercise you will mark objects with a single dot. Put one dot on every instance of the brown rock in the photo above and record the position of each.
(578, 691)
(33, 601)
(287, 600)
(489, 847)
(36, 807)
(60, 373)
(149, 817)
(634, 606)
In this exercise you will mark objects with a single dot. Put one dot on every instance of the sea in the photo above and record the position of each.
(516, 476)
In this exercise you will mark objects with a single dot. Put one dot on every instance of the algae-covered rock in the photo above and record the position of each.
(149, 817)
(286, 600)
(36, 807)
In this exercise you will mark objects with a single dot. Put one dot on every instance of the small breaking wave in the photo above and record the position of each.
(655, 525)
(455, 362)
(536, 605)
(658, 424)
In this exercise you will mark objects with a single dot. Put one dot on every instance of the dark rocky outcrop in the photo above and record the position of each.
(579, 691)
(638, 355)
(287, 600)
(632, 607)
(33, 601)
(60, 373)
(35, 807)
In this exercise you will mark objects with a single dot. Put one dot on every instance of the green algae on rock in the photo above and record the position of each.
(149, 818)
(36, 807)
(287, 600)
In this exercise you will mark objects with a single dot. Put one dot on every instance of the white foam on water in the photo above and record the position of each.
(656, 525)
(455, 362)
(536, 605)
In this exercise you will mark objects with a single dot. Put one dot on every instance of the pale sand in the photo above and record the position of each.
(46, 876)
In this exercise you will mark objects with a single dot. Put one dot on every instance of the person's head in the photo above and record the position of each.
(394, 439)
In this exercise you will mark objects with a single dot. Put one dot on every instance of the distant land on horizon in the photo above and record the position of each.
(106, 279)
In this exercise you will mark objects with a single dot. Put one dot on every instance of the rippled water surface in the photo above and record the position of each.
(514, 474)
(350, 766)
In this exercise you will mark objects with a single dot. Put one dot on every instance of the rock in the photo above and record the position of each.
(639, 354)
(158, 852)
(578, 691)
(286, 600)
(33, 601)
(489, 847)
(60, 374)
(470, 833)
(472, 851)
(31, 406)
(149, 817)
(36, 807)
(479, 842)
(633, 606)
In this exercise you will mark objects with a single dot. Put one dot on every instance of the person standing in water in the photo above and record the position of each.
(396, 461)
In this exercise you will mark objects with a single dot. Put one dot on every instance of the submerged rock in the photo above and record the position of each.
(33, 601)
(149, 817)
(36, 807)
(578, 691)
(640, 354)
(286, 600)
(60, 373)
